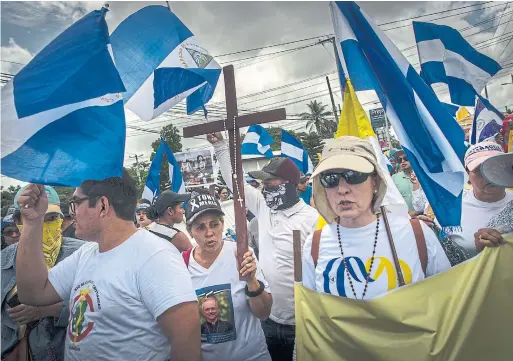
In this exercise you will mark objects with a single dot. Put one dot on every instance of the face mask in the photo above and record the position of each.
(280, 197)
(52, 241)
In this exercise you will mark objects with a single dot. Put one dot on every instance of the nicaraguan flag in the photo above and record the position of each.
(487, 121)
(152, 187)
(431, 137)
(451, 108)
(161, 63)
(62, 115)
(293, 149)
(446, 57)
(257, 142)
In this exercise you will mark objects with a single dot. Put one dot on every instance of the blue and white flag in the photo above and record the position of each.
(257, 142)
(446, 57)
(431, 137)
(487, 121)
(161, 63)
(451, 108)
(62, 115)
(293, 149)
(152, 187)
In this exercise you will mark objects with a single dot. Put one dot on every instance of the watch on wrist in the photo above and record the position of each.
(255, 293)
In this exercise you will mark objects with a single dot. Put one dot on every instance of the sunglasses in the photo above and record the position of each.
(401, 159)
(332, 180)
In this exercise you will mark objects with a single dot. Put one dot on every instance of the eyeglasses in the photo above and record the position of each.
(75, 202)
(332, 180)
(401, 159)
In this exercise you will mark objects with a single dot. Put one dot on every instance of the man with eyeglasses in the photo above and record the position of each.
(404, 180)
(279, 211)
(129, 292)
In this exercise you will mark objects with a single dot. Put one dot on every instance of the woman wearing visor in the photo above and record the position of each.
(355, 255)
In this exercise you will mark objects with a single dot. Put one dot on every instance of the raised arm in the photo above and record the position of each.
(253, 197)
(34, 288)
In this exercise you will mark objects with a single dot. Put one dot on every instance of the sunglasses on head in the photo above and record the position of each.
(332, 179)
(402, 159)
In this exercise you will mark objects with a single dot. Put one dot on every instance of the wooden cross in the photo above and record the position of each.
(233, 120)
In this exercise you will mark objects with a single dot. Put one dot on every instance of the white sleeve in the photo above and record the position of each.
(253, 197)
(419, 200)
(164, 282)
(62, 275)
(308, 264)
(260, 275)
(437, 259)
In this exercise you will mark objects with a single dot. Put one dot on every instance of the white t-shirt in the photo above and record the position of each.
(115, 298)
(229, 231)
(238, 334)
(330, 275)
(476, 215)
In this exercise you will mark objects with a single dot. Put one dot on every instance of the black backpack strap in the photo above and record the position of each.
(170, 239)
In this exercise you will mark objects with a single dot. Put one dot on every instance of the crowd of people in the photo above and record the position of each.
(111, 277)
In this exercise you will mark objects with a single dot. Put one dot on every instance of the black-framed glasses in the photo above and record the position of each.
(75, 202)
(401, 159)
(332, 179)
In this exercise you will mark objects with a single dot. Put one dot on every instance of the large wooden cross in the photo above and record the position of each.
(233, 123)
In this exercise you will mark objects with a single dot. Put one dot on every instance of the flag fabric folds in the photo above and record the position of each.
(487, 121)
(452, 109)
(431, 137)
(257, 141)
(446, 57)
(446, 317)
(293, 149)
(62, 115)
(354, 121)
(152, 186)
(161, 63)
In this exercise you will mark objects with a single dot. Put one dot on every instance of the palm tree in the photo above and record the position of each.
(317, 117)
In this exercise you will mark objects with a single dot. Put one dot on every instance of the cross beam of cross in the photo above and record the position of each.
(233, 123)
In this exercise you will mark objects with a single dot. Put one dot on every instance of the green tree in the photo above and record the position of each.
(144, 168)
(313, 144)
(172, 136)
(65, 193)
(317, 118)
(7, 196)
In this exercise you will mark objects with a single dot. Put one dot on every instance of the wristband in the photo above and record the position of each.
(255, 293)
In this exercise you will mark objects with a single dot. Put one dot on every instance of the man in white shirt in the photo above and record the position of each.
(484, 200)
(129, 292)
(279, 211)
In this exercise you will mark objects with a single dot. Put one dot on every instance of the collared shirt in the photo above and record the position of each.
(405, 187)
(275, 240)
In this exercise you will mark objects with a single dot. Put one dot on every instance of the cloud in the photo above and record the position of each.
(15, 54)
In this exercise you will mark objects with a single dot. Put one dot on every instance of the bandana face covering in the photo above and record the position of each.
(280, 197)
(52, 241)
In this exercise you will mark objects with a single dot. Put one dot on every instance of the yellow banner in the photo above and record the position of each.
(353, 119)
(510, 142)
(464, 314)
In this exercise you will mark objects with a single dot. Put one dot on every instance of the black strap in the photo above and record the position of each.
(170, 239)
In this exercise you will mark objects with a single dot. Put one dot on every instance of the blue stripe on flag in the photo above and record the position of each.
(153, 178)
(455, 42)
(74, 61)
(183, 79)
(177, 183)
(257, 142)
(86, 144)
(433, 72)
(136, 57)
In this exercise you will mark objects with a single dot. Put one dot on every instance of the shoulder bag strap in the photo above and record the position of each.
(398, 269)
(421, 243)
(316, 241)
(170, 239)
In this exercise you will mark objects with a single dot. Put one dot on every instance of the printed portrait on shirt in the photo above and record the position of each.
(216, 314)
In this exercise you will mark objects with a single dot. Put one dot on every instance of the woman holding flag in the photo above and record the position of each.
(348, 255)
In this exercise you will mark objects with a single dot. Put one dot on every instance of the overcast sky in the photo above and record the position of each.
(227, 27)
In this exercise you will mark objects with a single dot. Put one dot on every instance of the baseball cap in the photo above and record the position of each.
(347, 152)
(54, 203)
(498, 170)
(200, 204)
(278, 167)
(478, 153)
(141, 207)
(167, 198)
(303, 178)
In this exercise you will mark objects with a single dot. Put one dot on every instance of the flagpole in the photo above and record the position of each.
(387, 126)
(169, 6)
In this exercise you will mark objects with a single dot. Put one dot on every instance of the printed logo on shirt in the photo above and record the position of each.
(335, 273)
(216, 314)
(82, 305)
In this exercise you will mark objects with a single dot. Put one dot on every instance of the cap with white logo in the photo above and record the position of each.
(200, 204)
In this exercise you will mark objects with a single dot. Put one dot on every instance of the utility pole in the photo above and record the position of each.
(137, 167)
(332, 100)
